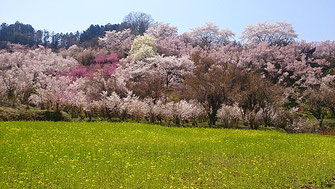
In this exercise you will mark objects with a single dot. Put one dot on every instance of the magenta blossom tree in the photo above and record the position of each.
(103, 58)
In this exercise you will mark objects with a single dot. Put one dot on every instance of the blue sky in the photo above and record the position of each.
(313, 20)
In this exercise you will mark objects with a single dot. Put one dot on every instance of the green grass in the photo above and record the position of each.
(130, 155)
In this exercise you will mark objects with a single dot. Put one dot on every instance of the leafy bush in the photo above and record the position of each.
(292, 122)
(9, 114)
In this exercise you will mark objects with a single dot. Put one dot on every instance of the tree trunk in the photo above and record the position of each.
(177, 121)
(251, 124)
(320, 122)
(89, 117)
(212, 118)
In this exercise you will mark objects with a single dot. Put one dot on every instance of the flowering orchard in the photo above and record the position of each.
(162, 76)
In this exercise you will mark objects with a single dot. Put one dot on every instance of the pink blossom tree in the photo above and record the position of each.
(168, 41)
(210, 35)
(279, 33)
(103, 58)
(118, 42)
(162, 30)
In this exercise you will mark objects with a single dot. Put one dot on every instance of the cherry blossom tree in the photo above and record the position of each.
(156, 76)
(171, 69)
(172, 46)
(103, 58)
(55, 93)
(210, 35)
(229, 115)
(279, 33)
(20, 71)
(326, 50)
(211, 84)
(318, 101)
(183, 111)
(150, 85)
(88, 71)
(112, 102)
(168, 41)
(118, 41)
(256, 97)
(162, 30)
(293, 65)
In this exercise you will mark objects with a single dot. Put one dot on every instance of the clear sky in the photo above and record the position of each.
(313, 20)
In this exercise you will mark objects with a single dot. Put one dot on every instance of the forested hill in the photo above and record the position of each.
(26, 34)
(150, 72)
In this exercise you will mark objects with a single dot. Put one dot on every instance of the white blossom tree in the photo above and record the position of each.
(143, 47)
(162, 30)
(229, 115)
(210, 35)
(279, 33)
(20, 71)
(118, 41)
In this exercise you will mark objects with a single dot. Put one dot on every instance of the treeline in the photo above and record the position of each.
(26, 34)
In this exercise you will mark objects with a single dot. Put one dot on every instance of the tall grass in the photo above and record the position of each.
(130, 155)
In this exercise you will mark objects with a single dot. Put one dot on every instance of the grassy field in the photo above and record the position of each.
(129, 155)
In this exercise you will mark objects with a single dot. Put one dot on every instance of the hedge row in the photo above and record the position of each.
(10, 114)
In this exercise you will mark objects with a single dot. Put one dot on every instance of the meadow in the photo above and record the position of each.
(134, 155)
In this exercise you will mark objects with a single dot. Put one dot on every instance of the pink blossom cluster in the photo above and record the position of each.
(103, 58)
(89, 71)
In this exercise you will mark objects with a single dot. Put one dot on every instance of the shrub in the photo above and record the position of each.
(229, 116)
(10, 114)
(292, 122)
